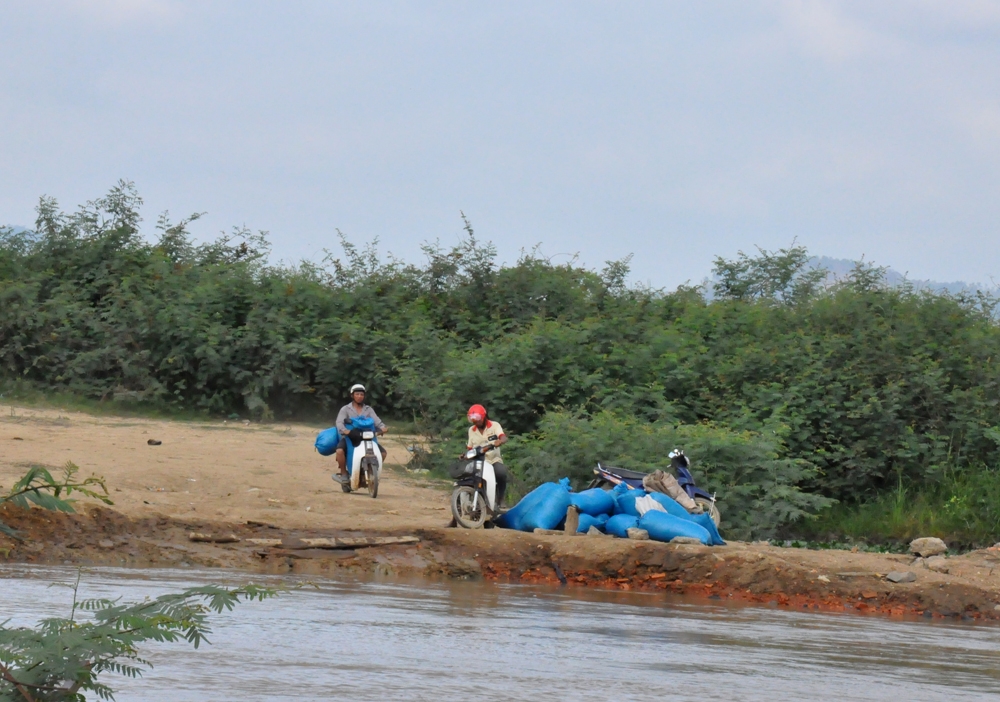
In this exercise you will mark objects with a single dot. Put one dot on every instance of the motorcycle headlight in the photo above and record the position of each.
(470, 454)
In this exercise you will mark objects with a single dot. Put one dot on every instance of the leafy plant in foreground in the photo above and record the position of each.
(61, 658)
(40, 488)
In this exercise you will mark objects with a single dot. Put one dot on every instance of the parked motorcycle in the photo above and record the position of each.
(608, 476)
(364, 459)
(473, 500)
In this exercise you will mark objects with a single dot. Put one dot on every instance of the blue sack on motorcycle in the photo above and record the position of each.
(587, 521)
(664, 527)
(593, 502)
(360, 424)
(625, 502)
(550, 511)
(515, 515)
(327, 440)
(619, 525)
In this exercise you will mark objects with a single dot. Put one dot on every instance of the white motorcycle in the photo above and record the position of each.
(364, 461)
(473, 501)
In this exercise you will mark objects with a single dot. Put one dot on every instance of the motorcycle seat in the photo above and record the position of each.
(624, 473)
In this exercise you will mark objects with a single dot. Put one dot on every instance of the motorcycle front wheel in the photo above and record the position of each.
(467, 516)
(710, 507)
(371, 477)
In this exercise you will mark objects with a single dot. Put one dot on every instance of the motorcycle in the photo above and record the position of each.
(364, 459)
(608, 476)
(473, 501)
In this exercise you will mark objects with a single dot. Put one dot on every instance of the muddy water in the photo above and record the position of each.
(391, 640)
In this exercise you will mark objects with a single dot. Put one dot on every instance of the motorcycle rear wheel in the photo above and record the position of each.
(710, 507)
(461, 508)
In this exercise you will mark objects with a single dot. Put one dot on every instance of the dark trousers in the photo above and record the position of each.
(501, 472)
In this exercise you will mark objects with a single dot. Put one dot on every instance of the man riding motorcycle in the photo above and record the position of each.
(487, 432)
(355, 408)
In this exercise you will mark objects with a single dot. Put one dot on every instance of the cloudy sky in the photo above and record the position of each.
(675, 131)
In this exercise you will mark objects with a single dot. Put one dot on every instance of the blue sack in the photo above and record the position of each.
(515, 515)
(616, 492)
(664, 527)
(512, 518)
(670, 504)
(619, 525)
(327, 440)
(593, 502)
(587, 521)
(704, 520)
(550, 511)
(625, 502)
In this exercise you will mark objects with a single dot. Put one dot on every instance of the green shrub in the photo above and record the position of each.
(962, 507)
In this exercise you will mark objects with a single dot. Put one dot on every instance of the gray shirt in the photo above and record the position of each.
(348, 411)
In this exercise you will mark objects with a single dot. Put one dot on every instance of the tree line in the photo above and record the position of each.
(795, 391)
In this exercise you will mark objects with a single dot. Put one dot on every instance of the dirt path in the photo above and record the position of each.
(267, 482)
(224, 471)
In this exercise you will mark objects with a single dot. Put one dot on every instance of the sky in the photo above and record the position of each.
(673, 131)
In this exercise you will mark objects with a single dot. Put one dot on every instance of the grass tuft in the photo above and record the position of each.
(963, 508)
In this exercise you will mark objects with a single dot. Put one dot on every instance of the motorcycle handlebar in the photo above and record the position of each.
(479, 449)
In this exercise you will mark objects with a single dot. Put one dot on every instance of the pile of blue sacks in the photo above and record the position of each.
(610, 511)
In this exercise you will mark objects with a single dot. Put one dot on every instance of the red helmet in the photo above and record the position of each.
(477, 413)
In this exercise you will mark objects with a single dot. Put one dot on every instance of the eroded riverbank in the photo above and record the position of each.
(756, 573)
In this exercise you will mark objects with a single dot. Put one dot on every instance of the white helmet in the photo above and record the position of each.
(358, 387)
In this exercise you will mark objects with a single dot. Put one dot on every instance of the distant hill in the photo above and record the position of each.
(840, 267)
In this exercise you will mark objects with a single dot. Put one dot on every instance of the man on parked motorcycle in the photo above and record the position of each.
(352, 410)
(487, 432)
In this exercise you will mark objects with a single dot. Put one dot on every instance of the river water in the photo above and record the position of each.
(398, 640)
